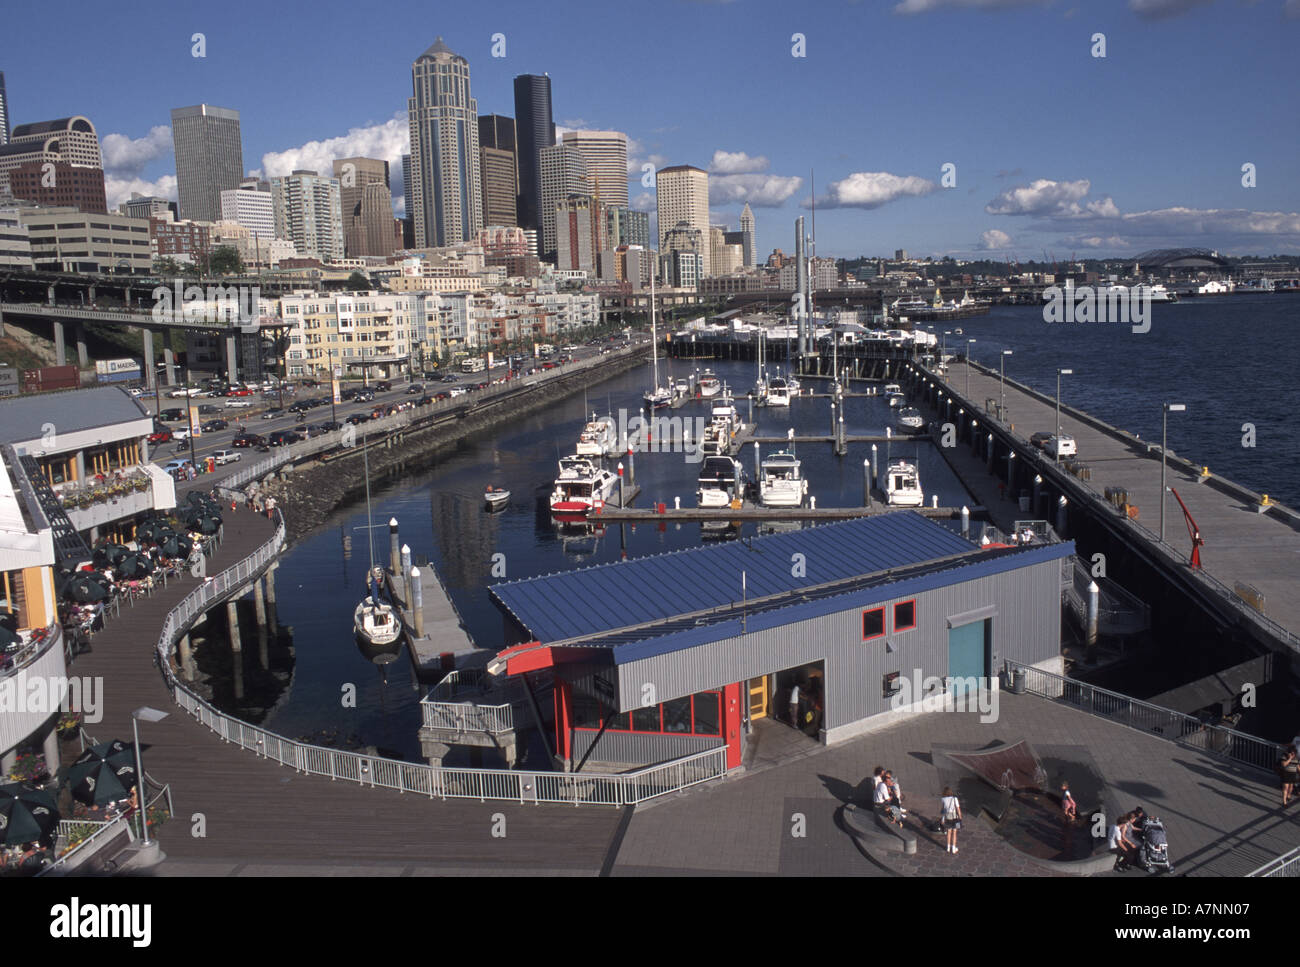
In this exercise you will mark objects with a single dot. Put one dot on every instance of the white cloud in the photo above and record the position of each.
(994, 238)
(118, 189)
(760, 191)
(736, 163)
(1096, 241)
(644, 202)
(1292, 9)
(1162, 9)
(388, 141)
(871, 189)
(638, 155)
(1052, 199)
(1183, 222)
(925, 6)
(127, 157)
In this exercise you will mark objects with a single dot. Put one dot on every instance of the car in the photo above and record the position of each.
(413, 389)
(329, 426)
(171, 415)
(424, 401)
(1061, 446)
(299, 407)
(458, 391)
(223, 457)
(365, 395)
(432, 374)
(181, 433)
(238, 391)
(449, 378)
(207, 409)
(384, 386)
(160, 436)
(548, 365)
(238, 404)
(282, 438)
(247, 440)
(183, 392)
(213, 426)
(172, 466)
(1040, 438)
(483, 385)
(357, 418)
(350, 393)
(272, 413)
(443, 395)
(311, 383)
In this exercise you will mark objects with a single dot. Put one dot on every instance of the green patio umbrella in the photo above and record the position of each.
(148, 531)
(88, 587)
(110, 554)
(8, 637)
(26, 814)
(103, 774)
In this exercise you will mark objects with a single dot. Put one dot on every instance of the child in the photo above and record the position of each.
(1067, 803)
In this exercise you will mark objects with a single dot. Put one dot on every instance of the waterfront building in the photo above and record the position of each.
(901, 601)
(209, 158)
(66, 240)
(534, 130)
(376, 334)
(309, 213)
(446, 198)
(682, 194)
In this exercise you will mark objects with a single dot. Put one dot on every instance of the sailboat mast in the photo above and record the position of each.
(370, 523)
(654, 334)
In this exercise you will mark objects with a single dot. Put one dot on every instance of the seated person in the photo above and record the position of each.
(881, 800)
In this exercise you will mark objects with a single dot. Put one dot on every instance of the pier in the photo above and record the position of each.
(750, 512)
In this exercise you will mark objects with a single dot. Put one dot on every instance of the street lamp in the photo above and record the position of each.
(969, 343)
(143, 714)
(1002, 403)
(1166, 409)
(1059, 374)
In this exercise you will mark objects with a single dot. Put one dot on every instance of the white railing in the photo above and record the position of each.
(378, 772)
(1288, 864)
(88, 846)
(467, 716)
(1165, 723)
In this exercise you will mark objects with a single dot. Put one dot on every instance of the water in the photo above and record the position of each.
(1220, 357)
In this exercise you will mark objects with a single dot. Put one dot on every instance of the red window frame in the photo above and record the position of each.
(627, 721)
(884, 628)
(897, 626)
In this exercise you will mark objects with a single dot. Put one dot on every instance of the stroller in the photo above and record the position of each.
(1154, 853)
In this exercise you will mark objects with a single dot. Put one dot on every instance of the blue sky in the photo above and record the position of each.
(1054, 150)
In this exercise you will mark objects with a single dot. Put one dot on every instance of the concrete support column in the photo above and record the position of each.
(416, 597)
(259, 605)
(270, 598)
(94, 536)
(232, 359)
(81, 465)
(236, 649)
(51, 294)
(50, 749)
(186, 653)
(150, 375)
(169, 358)
(8, 761)
(79, 334)
(60, 350)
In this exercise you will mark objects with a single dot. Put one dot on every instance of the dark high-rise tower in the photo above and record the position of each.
(534, 130)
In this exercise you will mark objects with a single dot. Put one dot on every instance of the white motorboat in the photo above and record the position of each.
(1156, 293)
(910, 419)
(710, 385)
(794, 386)
(894, 394)
(723, 425)
(599, 437)
(781, 483)
(496, 497)
(580, 485)
(722, 482)
(901, 484)
(778, 391)
(682, 387)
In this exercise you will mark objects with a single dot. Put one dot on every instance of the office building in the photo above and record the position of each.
(367, 206)
(4, 112)
(682, 193)
(209, 158)
(579, 234)
(252, 206)
(749, 239)
(146, 206)
(605, 153)
(624, 226)
(534, 130)
(15, 243)
(70, 140)
(59, 183)
(445, 183)
(66, 240)
(309, 213)
(563, 173)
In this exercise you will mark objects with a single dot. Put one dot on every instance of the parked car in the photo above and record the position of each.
(272, 413)
(414, 388)
(247, 440)
(223, 457)
(1040, 438)
(424, 401)
(159, 436)
(238, 404)
(1062, 446)
(171, 415)
(384, 386)
(181, 393)
(207, 409)
(310, 383)
(357, 418)
(213, 426)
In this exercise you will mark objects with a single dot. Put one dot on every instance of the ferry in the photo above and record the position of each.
(722, 483)
(781, 483)
(710, 385)
(580, 486)
(599, 438)
(901, 484)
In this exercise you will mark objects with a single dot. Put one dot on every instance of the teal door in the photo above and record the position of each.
(965, 657)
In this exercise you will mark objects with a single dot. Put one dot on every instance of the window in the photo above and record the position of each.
(677, 715)
(873, 623)
(905, 615)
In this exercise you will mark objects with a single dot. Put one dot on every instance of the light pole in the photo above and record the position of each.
(1002, 402)
(1166, 409)
(146, 714)
(969, 343)
(1059, 374)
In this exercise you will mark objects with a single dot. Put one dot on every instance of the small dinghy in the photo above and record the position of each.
(496, 497)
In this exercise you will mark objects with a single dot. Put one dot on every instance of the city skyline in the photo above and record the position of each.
(1056, 151)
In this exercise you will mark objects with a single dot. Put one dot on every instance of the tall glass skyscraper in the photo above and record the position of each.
(209, 158)
(445, 180)
(534, 130)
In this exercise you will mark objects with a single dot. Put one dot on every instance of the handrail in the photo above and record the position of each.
(620, 789)
(1185, 730)
(1288, 864)
(33, 650)
(106, 831)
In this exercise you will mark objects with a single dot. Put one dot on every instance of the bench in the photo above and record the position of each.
(873, 833)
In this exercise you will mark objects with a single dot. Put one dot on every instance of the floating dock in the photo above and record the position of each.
(750, 512)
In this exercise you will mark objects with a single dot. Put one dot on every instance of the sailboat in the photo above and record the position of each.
(659, 397)
(375, 618)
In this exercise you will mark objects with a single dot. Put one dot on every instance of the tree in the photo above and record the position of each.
(166, 267)
(226, 260)
(357, 282)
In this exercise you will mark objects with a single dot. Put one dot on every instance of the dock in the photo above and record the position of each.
(750, 512)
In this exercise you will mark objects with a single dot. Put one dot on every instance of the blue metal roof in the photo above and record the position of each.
(608, 596)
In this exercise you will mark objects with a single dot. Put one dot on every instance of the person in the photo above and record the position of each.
(880, 799)
(877, 775)
(794, 705)
(950, 811)
(1068, 806)
(895, 793)
(1287, 771)
(270, 507)
(1139, 819)
(1119, 843)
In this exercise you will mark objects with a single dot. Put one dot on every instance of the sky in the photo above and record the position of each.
(970, 128)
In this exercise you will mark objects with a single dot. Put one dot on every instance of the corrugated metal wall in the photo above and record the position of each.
(1026, 627)
(639, 748)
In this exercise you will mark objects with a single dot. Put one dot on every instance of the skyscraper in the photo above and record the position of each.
(251, 206)
(68, 143)
(367, 227)
(448, 197)
(408, 204)
(209, 158)
(309, 213)
(563, 173)
(534, 130)
(4, 112)
(750, 243)
(682, 194)
(605, 153)
(496, 145)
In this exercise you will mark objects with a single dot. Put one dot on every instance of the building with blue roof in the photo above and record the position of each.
(678, 653)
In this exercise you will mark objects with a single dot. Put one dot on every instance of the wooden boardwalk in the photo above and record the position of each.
(1240, 543)
(263, 817)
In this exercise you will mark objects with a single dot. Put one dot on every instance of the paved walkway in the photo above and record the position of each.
(1221, 820)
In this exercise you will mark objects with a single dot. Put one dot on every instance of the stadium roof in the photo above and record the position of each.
(1180, 258)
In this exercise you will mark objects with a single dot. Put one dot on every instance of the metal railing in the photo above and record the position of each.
(378, 772)
(1288, 864)
(1118, 612)
(1185, 730)
(106, 831)
(467, 717)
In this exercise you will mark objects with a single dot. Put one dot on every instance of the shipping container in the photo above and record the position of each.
(117, 370)
(50, 378)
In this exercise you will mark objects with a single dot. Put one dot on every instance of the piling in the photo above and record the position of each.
(270, 598)
(417, 602)
(187, 657)
(406, 560)
(866, 483)
(1060, 517)
(622, 493)
(1094, 610)
(841, 447)
(236, 650)
(394, 547)
(875, 465)
(631, 466)
(965, 521)
(259, 608)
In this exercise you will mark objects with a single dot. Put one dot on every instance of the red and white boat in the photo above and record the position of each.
(580, 485)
